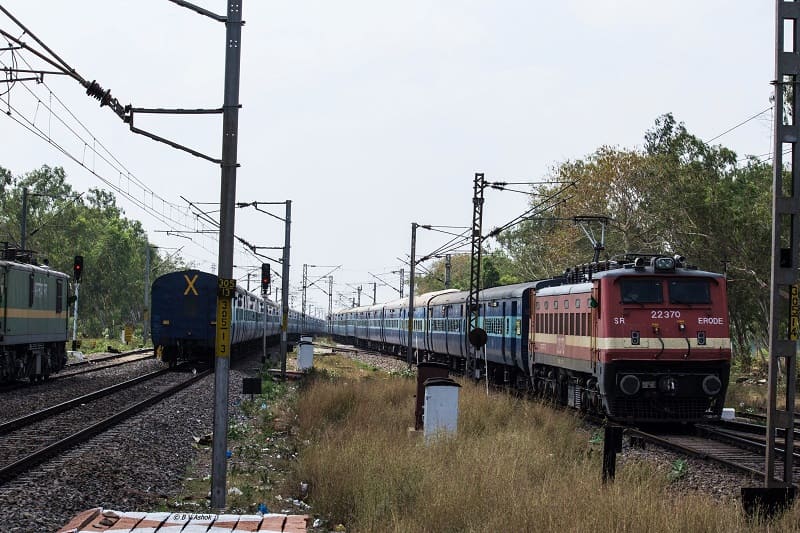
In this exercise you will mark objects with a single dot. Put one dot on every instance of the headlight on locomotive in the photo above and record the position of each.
(712, 385)
(630, 384)
(664, 263)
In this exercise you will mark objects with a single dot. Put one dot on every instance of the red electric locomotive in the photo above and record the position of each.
(643, 339)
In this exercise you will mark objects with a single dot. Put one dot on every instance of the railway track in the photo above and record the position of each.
(735, 445)
(88, 366)
(32, 439)
(93, 365)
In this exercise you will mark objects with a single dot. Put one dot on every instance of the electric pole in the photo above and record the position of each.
(146, 324)
(330, 304)
(475, 334)
(230, 135)
(785, 245)
(413, 265)
(285, 288)
(24, 219)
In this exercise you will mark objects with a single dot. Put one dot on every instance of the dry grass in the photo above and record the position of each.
(514, 466)
(752, 396)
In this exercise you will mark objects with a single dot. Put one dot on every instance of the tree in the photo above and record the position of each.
(62, 224)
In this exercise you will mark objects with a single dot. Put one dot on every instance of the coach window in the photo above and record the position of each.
(555, 304)
(30, 290)
(546, 305)
(566, 304)
(577, 303)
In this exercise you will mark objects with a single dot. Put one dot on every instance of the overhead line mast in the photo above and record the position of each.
(785, 245)
(475, 334)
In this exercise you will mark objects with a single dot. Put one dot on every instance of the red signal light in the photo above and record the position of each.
(265, 278)
(77, 268)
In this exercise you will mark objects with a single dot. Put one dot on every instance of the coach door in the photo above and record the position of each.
(504, 332)
(594, 315)
(512, 332)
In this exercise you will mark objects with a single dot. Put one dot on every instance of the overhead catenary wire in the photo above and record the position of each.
(56, 61)
(116, 165)
(33, 129)
(31, 126)
(742, 123)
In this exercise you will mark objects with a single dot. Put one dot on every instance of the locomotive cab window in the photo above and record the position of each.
(59, 295)
(641, 291)
(689, 291)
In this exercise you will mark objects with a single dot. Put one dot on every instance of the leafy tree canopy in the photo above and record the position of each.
(62, 223)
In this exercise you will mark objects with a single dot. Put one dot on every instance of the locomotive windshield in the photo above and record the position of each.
(641, 291)
(689, 291)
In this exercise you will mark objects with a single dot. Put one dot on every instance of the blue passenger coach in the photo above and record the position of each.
(440, 327)
(184, 317)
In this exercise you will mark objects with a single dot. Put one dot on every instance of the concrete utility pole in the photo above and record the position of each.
(285, 288)
(778, 494)
(24, 220)
(75, 317)
(305, 287)
(146, 324)
(330, 304)
(785, 222)
(230, 135)
(413, 264)
(447, 271)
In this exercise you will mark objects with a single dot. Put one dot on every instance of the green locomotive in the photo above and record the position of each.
(33, 321)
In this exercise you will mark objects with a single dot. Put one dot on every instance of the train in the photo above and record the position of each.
(641, 338)
(33, 318)
(184, 314)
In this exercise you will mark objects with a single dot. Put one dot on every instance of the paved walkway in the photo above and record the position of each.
(98, 519)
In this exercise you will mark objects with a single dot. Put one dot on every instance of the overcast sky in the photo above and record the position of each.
(371, 115)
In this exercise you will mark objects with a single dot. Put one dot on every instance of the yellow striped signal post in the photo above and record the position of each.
(226, 288)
